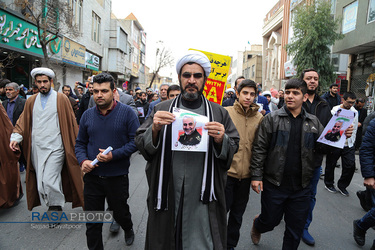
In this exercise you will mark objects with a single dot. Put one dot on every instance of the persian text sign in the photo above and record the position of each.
(92, 61)
(215, 85)
(18, 33)
(73, 53)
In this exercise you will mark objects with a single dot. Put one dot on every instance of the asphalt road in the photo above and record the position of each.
(331, 226)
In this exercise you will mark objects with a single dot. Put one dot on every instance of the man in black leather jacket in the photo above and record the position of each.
(282, 166)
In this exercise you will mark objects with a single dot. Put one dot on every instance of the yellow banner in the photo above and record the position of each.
(215, 85)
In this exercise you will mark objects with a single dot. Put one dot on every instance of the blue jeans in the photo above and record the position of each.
(368, 220)
(314, 185)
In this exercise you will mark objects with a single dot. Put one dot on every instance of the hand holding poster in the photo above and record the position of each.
(334, 133)
(188, 133)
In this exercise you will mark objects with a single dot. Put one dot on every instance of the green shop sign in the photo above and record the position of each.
(23, 35)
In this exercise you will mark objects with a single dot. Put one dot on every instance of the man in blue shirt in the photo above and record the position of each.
(114, 124)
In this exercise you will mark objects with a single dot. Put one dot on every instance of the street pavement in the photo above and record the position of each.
(331, 227)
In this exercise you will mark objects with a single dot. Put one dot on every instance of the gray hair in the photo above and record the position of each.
(163, 84)
(188, 117)
(13, 85)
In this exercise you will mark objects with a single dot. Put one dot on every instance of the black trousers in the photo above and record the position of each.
(236, 195)
(348, 166)
(116, 190)
(293, 205)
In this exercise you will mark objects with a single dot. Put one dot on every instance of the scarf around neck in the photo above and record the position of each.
(207, 190)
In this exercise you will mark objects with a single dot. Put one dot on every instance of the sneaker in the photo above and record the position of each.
(307, 238)
(344, 192)
(331, 189)
(255, 235)
(358, 234)
(129, 237)
(115, 227)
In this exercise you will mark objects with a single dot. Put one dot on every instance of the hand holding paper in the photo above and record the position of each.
(102, 156)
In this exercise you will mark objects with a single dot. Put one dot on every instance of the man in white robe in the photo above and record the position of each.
(47, 151)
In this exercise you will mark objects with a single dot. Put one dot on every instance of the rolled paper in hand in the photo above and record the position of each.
(109, 149)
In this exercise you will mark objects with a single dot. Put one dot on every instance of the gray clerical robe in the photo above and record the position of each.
(203, 225)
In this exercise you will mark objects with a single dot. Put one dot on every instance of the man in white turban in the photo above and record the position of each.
(186, 202)
(47, 129)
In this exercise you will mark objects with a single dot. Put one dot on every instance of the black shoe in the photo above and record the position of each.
(115, 227)
(54, 208)
(344, 192)
(331, 189)
(358, 234)
(362, 200)
(129, 237)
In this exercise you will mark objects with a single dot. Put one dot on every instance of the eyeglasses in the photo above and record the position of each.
(187, 75)
(351, 103)
(190, 124)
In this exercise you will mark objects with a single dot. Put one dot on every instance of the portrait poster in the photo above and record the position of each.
(333, 134)
(188, 133)
(141, 112)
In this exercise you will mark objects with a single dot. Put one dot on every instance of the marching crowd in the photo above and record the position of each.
(264, 141)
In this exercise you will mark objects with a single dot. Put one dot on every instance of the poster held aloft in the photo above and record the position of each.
(334, 133)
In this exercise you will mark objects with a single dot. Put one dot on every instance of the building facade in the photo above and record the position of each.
(358, 26)
(252, 63)
(90, 41)
(274, 53)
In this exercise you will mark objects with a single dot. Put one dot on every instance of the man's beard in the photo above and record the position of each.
(191, 96)
(311, 91)
(44, 91)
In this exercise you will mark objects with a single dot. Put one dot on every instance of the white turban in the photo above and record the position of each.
(195, 57)
(266, 93)
(42, 71)
(229, 90)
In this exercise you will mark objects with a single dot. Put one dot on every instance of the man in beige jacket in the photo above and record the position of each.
(246, 118)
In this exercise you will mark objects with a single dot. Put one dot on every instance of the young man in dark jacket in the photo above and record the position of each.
(85, 100)
(332, 96)
(367, 160)
(142, 106)
(282, 166)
